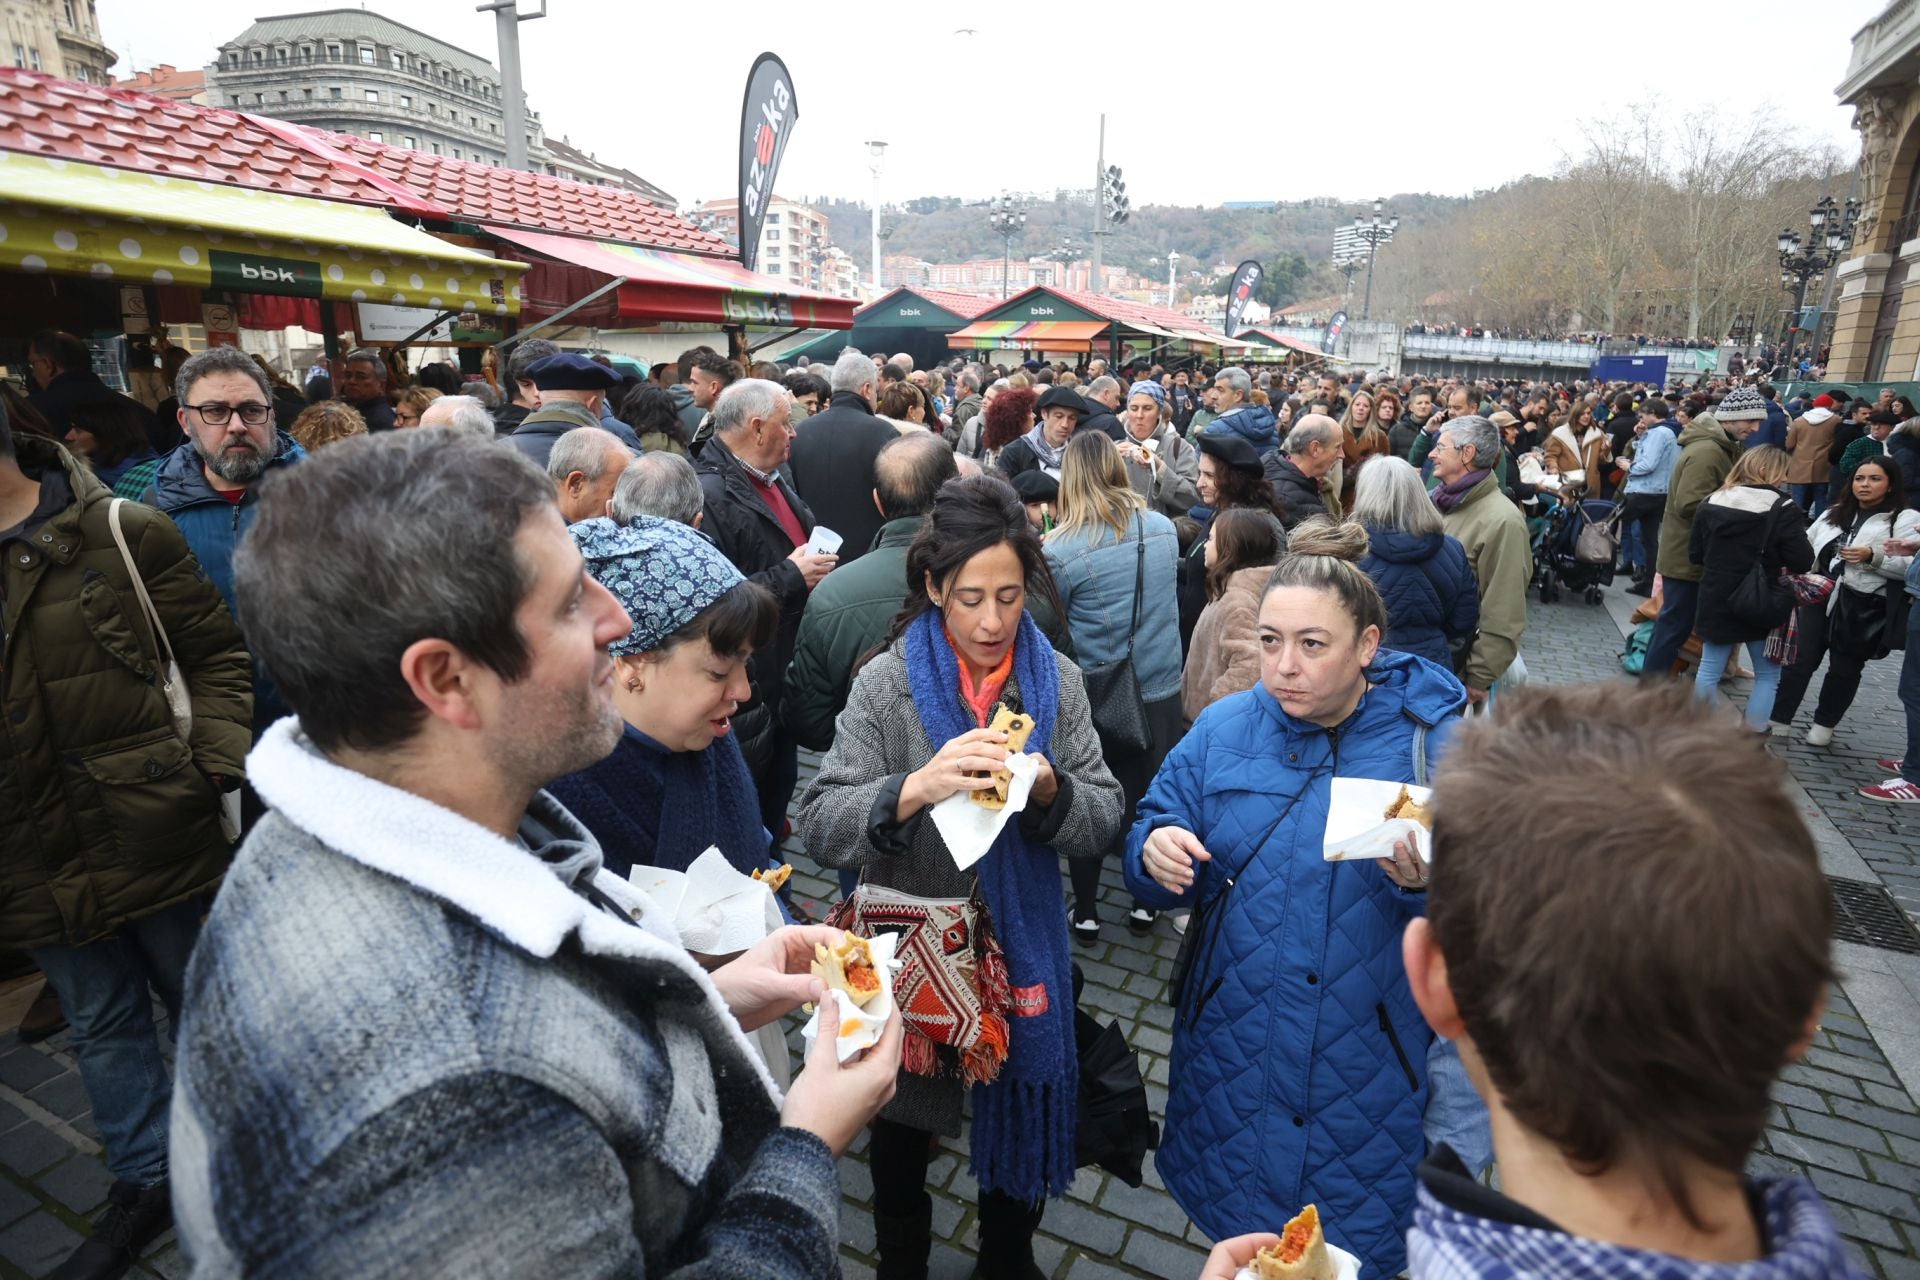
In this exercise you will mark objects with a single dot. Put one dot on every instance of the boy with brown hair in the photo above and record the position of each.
(1622, 1005)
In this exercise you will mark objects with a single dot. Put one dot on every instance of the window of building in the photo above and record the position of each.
(399, 60)
(306, 53)
(412, 144)
(259, 99)
(281, 56)
(33, 59)
(233, 60)
(72, 20)
(493, 126)
(773, 233)
(333, 53)
(435, 146)
(259, 57)
(433, 109)
(19, 55)
(406, 100)
(373, 95)
(366, 55)
(376, 136)
(283, 95)
(474, 121)
(307, 94)
(456, 153)
(336, 93)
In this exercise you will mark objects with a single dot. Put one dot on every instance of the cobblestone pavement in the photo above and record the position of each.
(1843, 1116)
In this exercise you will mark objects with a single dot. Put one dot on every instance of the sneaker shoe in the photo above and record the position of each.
(1086, 930)
(1180, 919)
(1779, 730)
(1891, 766)
(1819, 735)
(1140, 920)
(133, 1219)
(1893, 791)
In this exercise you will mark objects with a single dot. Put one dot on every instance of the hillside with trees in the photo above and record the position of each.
(1654, 223)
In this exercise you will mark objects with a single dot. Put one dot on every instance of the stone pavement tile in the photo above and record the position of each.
(1144, 1206)
(15, 1204)
(1828, 1155)
(167, 1262)
(1094, 1232)
(31, 1148)
(1161, 1257)
(80, 1183)
(26, 1068)
(38, 1243)
(10, 1116)
(65, 1095)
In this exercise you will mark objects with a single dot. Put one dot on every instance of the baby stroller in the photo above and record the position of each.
(1575, 549)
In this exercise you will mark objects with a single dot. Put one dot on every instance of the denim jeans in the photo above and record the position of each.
(1910, 696)
(1640, 517)
(1766, 678)
(1455, 1114)
(103, 988)
(1679, 606)
(1811, 497)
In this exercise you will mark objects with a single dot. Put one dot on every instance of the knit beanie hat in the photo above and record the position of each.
(1824, 402)
(663, 573)
(1740, 404)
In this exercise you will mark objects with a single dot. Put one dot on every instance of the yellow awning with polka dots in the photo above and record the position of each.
(117, 224)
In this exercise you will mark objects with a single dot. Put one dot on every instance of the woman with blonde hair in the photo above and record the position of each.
(1299, 1060)
(1363, 435)
(1114, 564)
(325, 422)
(1749, 521)
(412, 403)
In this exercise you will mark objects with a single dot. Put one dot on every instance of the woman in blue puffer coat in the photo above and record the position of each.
(1298, 1055)
(1424, 578)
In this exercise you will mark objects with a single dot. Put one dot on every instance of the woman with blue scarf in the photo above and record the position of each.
(913, 734)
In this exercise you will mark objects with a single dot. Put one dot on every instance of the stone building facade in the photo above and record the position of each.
(1876, 335)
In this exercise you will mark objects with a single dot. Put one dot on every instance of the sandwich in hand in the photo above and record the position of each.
(1300, 1255)
(1405, 806)
(1017, 728)
(775, 880)
(848, 967)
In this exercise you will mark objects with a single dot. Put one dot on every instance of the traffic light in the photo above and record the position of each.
(1114, 205)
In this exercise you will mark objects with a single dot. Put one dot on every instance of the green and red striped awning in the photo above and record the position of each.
(657, 286)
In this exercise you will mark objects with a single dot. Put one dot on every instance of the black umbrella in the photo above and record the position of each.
(1115, 1130)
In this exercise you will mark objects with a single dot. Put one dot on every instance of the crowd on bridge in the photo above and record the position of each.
(350, 717)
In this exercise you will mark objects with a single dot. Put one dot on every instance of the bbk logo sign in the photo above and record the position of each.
(766, 121)
(909, 311)
(257, 273)
(1040, 311)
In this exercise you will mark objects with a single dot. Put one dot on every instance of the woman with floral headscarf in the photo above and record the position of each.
(1161, 466)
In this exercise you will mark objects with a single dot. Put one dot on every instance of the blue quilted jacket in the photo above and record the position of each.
(1428, 587)
(1298, 1055)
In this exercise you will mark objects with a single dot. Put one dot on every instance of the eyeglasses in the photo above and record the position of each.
(219, 415)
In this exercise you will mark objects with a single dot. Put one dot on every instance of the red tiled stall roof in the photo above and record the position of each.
(44, 115)
(965, 305)
(482, 193)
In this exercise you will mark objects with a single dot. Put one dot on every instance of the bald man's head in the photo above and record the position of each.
(908, 472)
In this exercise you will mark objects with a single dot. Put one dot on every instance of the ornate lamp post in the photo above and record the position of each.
(1373, 234)
(1830, 232)
(1008, 220)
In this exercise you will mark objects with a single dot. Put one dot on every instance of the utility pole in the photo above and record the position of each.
(876, 161)
(1099, 203)
(513, 100)
(1172, 258)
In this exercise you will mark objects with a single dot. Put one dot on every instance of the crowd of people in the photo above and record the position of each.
(342, 718)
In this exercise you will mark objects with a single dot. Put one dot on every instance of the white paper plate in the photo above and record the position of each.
(1345, 1265)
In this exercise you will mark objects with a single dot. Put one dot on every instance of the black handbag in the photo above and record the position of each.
(1113, 690)
(1760, 599)
(1857, 627)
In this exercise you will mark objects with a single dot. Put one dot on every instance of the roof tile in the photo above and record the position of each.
(128, 130)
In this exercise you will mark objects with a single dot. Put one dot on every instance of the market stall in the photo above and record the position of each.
(914, 321)
(1045, 321)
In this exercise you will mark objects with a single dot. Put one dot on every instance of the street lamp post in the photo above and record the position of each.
(1373, 234)
(1831, 228)
(1007, 219)
(876, 161)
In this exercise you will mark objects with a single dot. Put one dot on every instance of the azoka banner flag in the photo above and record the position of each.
(1240, 292)
(1335, 325)
(766, 120)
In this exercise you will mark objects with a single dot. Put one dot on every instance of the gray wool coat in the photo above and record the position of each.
(879, 740)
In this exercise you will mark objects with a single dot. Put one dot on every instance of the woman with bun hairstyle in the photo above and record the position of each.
(1299, 1060)
(1240, 547)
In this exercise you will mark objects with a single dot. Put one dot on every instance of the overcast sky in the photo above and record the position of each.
(1261, 101)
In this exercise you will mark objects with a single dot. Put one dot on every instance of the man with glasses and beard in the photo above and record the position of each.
(209, 486)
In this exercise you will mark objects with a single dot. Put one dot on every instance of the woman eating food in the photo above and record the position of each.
(962, 657)
(1299, 1064)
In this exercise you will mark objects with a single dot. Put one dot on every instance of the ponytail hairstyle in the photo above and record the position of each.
(970, 514)
(1325, 556)
(1764, 465)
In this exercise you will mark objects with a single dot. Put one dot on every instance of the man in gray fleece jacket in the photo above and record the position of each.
(424, 1032)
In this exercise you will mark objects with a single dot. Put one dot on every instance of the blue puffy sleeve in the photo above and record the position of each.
(1173, 800)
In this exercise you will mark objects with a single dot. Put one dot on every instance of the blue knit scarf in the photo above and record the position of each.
(1023, 1123)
